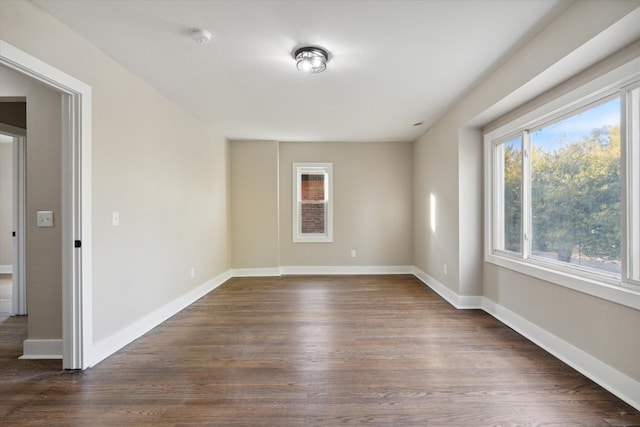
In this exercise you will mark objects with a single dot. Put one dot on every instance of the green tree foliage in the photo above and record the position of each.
(576, 196)
(513, 196)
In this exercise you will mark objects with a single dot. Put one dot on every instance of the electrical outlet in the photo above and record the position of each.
(193, 272)
(353, 253)
(445, 269)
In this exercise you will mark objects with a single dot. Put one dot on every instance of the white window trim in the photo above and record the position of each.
(298, 170)
(619, 290)
(631, 186)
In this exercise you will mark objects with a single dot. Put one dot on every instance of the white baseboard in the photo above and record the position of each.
(106, 347)
(320, 270)
(42, 349)
(6, 269)
(340, 270)
(458, 301)
(621, 385)
(255, 272)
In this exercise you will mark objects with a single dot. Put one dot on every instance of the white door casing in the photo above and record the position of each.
(76, 201)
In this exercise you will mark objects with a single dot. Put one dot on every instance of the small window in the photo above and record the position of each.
(312, 211)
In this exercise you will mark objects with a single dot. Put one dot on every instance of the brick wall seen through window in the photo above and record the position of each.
(312, 213)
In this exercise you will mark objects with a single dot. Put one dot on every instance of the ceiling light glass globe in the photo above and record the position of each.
(311, 60)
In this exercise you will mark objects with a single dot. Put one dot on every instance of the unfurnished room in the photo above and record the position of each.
(319, 212)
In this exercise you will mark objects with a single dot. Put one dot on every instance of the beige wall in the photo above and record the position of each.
(448, 163)
(6, 204)
(435, 160)
(254, 204)
(470, 219)
(372, 206)
(43, 263)
(164, 171)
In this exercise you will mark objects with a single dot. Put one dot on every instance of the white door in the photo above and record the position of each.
(19, 285)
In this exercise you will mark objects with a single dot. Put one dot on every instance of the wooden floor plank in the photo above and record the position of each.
(306, 351)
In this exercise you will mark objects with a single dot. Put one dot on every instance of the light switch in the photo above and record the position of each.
(45, 218)
(115, 219)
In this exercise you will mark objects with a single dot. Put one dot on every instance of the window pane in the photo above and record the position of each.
(512, 180)
(312, 218)
(576, 191)
(312, 187)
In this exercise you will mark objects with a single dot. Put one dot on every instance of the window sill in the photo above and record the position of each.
(601, 289)
(320, 239)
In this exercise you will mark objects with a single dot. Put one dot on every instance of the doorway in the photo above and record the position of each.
(12, 221)
(76, 201)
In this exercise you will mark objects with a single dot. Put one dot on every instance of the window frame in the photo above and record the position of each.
(300, 169)
(631, 185)
(623, 289)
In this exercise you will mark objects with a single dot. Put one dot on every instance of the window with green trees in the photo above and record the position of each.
(511, 169)
(575, 189)
(564, 188)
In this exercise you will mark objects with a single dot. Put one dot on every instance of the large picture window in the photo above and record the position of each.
(312, 213)
(576, 189)
(563, 189)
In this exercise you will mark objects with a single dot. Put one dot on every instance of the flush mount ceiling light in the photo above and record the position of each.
(311, 60)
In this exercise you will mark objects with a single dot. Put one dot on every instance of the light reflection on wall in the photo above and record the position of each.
(432, 212)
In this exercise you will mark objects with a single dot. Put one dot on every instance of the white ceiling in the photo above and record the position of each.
(392, 64)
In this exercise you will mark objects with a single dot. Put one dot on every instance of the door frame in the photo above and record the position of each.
(19, 294)
(77, 319)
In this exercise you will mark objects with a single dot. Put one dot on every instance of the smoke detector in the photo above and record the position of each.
(201, 36)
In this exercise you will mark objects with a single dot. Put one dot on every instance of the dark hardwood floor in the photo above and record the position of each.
(307, 351)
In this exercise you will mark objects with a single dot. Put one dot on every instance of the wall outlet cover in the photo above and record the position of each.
(45, 218)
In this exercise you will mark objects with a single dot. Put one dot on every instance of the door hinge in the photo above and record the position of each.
(78, 243)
